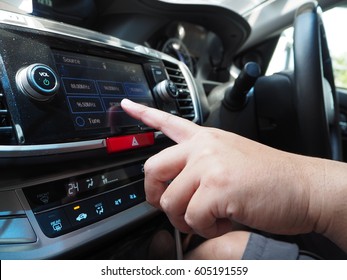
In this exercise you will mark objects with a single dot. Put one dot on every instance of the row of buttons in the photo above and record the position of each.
(73, 216)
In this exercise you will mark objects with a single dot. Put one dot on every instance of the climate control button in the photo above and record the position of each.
(38, 81)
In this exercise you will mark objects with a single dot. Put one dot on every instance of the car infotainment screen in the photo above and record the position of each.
(95, 86)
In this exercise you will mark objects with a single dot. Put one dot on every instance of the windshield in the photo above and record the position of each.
(22, 5)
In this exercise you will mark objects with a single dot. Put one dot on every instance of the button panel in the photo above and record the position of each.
(76, 215)
(71, 203)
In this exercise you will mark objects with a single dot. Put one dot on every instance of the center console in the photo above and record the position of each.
(71, 158)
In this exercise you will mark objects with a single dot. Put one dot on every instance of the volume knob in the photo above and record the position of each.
(167, 90)
(38, 81)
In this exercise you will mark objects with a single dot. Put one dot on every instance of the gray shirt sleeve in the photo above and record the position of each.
(262, 248)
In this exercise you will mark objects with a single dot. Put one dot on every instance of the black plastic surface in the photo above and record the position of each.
(136, 20)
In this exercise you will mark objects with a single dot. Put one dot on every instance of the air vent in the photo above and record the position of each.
(6, 130)
(184, 99)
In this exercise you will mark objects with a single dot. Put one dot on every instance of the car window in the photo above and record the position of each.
(283, 58)
(335, 21)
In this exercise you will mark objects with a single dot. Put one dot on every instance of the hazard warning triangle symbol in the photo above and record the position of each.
(135, 143)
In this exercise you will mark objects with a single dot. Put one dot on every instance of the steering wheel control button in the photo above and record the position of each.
(129, 142)
(166, 90)
(38, 81)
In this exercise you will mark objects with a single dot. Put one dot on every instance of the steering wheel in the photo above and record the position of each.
(316, 99)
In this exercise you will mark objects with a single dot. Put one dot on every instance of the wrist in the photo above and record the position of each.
(332, 221)
(305, 181)
(321, 191)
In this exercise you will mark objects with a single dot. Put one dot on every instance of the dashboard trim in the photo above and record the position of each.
(13, 151)
(50, 149)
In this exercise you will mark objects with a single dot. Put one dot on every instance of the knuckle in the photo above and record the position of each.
(149, 166)
(151, 199)
(168, 205)
(205, 133)
(217, 177)
(207, 141)
(190, 220)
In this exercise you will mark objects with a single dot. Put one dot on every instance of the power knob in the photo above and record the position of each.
(38, 81)
(166, 90)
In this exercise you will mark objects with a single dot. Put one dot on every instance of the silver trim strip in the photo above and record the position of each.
(49, 149)
(7, 151)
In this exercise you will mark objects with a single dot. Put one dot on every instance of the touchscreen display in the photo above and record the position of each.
(94, 88)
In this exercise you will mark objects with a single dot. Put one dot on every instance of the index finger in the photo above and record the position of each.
(176, 128)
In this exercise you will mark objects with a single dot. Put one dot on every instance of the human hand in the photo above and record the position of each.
(219, 177)
(230, 246)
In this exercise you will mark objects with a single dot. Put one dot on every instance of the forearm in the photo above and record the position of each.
(318, 188)
(326, 183)
(332, 221)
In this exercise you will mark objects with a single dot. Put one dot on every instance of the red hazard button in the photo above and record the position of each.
(128, 142)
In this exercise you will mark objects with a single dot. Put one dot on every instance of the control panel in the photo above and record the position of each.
(68, 204)
(60, 94)
(65, 96)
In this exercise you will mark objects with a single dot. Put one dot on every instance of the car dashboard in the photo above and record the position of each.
(71, 159)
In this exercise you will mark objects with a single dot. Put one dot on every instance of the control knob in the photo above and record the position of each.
(37, 81)
(166, 90)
